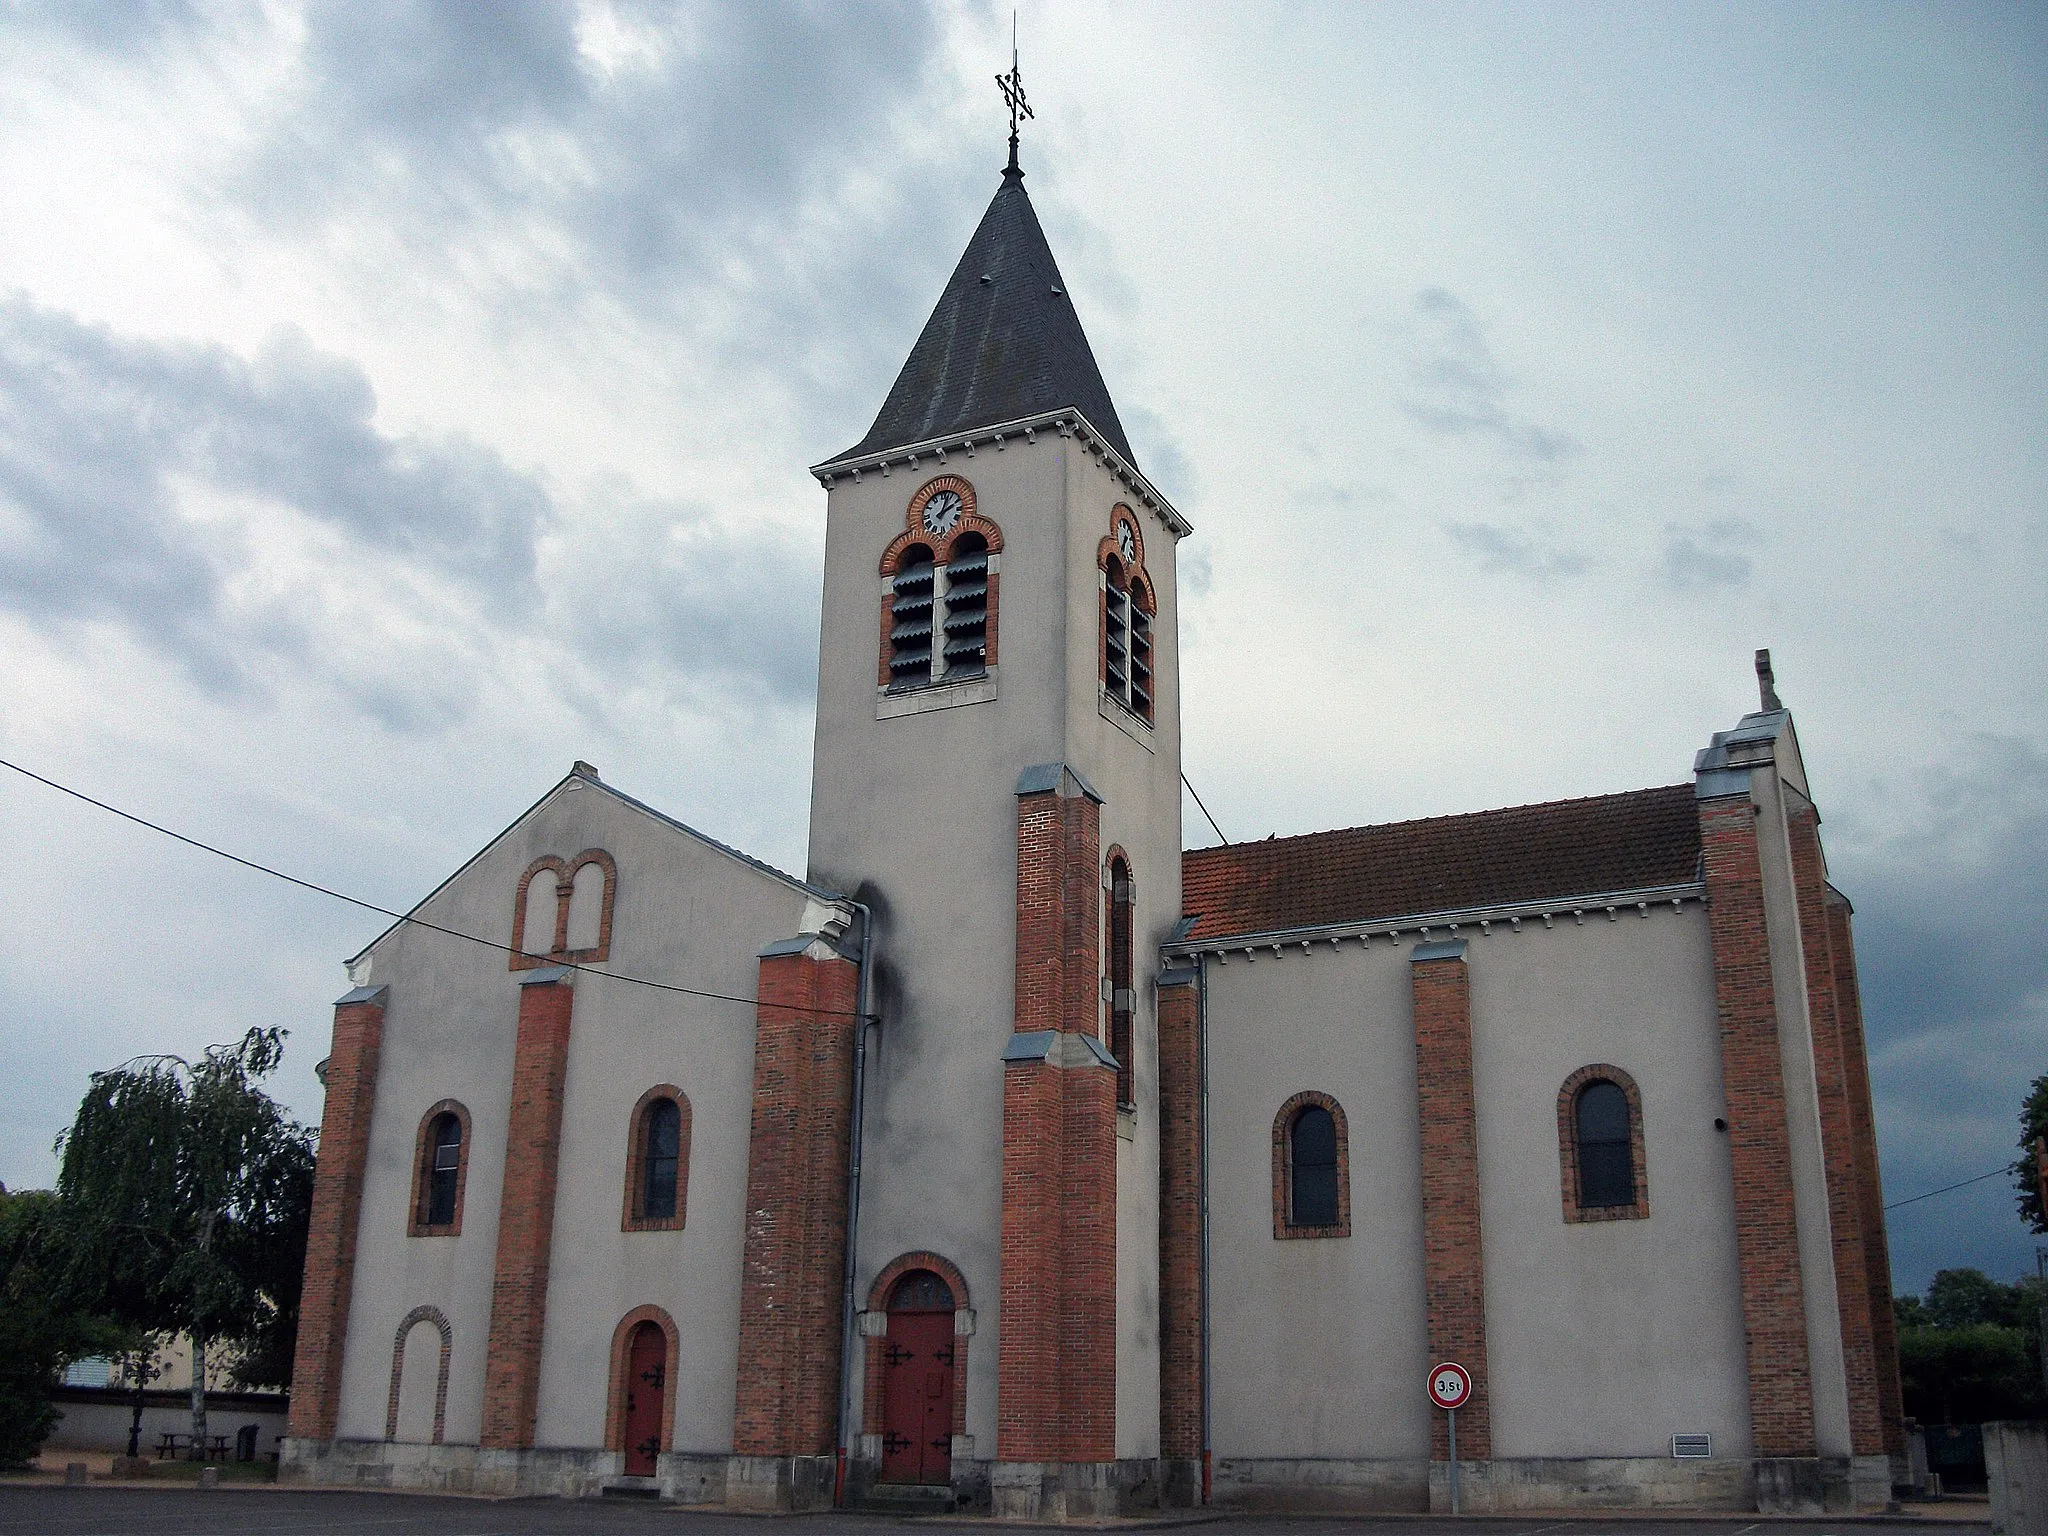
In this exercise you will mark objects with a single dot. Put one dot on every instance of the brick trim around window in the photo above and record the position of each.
(406, 1324)
(615, 1390)
(527, 957)
(1568, 1146)
(635, 1217)
(878, 1343)
(1283, 1184)
(423, 1173)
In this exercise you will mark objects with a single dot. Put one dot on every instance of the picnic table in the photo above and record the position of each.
(170, 1445)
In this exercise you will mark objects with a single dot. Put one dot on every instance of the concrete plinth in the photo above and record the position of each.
(2016, 1467)
(779, 1484)
(1072, 1490)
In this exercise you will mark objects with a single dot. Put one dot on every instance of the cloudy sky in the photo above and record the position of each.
(398, 401)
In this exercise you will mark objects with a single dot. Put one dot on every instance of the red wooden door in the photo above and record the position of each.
(917, 1398)
(646, 1392)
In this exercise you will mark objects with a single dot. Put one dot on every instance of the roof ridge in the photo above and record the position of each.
(1448, 816)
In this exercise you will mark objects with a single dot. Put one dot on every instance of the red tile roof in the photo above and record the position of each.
(1526, 853)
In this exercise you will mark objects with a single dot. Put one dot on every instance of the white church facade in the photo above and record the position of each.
(1016, 1158)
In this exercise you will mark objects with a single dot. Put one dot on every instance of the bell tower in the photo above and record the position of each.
(997, 775)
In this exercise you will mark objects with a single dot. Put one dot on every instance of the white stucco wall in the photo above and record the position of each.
(684, 911)
(917, 815)
(1603, 1339)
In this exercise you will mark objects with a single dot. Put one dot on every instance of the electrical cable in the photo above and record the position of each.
(1205, 810)
(1914, 1199)
(417, 922)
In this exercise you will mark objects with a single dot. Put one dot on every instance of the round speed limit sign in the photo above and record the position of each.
(1449, 1385)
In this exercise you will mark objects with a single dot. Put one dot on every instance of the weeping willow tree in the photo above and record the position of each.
(187, 1190)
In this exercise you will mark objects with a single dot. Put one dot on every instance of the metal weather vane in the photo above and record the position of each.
(1012, 87)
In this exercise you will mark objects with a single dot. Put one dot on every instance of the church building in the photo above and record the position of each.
(1016, 1158)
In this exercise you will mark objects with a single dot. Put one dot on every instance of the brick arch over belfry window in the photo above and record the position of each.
(940, 587)
(1130, 605)
(577, 926)
(876, 1324)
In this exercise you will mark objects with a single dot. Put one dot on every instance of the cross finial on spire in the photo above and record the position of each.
(1012, 87)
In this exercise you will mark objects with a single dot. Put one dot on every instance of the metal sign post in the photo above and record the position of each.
(1450, 1384)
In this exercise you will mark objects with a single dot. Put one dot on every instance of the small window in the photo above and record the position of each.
(1121, 985)
(1311, 1168)
(1600, 1146)
(658, 1161)
(663, 1134)
(443, 1165)
(1605, 1175)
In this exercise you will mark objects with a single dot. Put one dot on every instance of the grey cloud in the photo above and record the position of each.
(127, 30)
(1696, 560)
(711, 609)
(1458, 388)
(1519, 554)
(1957, 1021)
(96, 431)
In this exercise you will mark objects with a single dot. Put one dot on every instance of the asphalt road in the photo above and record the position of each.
(28, 1510)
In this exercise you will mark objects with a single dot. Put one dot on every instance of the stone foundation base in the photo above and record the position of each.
(1807, 1486)
(1074, 1490)
(574, 1474)
(780, 1484)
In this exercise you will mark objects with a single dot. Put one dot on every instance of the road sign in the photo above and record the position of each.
(1449, 1385)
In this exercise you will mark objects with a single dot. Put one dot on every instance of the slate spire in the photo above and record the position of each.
(1003, 343)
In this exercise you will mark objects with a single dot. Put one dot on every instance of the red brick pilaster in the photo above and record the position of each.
(1180, 1217)
(1840, 1154)
(1877, 1266)
(1759, 1140)
(1454, 1276)
(526, 1211)
(800, 1136)
(1056, 1355)
(337, 1212)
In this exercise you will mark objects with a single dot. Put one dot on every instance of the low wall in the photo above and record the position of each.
(97, 1418)
(682, 1477)
(2016, 1468)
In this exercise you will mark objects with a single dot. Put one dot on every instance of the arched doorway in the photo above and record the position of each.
(917, 1382)
(645, 1384)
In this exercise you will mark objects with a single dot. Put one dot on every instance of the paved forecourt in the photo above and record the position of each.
(170, 1511)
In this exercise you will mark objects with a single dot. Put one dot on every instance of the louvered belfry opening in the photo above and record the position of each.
(1120, 983)
(1116, 631)
(1141, 653)
(966, 627)
(910, 619)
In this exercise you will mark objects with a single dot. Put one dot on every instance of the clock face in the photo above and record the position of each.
(941, 513)
(1126, 542)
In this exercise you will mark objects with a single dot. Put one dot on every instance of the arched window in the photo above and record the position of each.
(564, 910)
(939, 592)
(915, 590)
(966, 598)
(658, 1161)
(1127, 612)
(442, 1169)
(1600, 1146)
(1121, 984)
(1311, 1168)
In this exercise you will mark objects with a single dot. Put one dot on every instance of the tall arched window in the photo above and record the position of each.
(442, 1168)
(1127, 611)
(939, 592)
(1600, 1145)
(1311, 1168)
(1121, 982)
(658, 1161)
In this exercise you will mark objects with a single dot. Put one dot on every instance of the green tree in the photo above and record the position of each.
(186, 1192)
(40, 1331)
(1970, 1351)
(2033, 1128)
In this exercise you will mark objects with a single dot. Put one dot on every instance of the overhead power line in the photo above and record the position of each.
(1205, 811)
(1979, 1179)
(417, 922)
